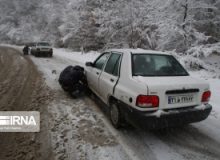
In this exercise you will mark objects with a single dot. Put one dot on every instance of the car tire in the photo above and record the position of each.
(116, 116)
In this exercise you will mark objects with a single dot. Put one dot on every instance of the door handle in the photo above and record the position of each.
(97, 73)
(112, 80)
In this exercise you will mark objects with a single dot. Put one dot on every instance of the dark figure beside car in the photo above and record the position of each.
(25, 50)
(73, 80)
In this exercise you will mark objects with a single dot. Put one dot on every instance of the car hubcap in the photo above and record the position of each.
(114, 114)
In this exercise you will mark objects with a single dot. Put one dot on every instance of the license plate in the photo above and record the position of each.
(180, 99)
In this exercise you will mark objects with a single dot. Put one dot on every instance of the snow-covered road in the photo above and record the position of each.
(81, 130)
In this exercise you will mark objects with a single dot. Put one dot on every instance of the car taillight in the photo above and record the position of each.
(147, 101)
(206, 96)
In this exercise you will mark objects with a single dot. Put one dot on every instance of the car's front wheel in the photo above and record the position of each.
(116, 115)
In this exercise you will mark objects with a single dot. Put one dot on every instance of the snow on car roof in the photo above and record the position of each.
(139, 51)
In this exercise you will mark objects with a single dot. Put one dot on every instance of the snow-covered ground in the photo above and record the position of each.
(80, 130)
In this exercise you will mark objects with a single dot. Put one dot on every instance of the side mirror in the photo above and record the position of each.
(89, 64)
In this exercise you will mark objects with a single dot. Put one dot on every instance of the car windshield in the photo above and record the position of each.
(43, 44)
(156, 65)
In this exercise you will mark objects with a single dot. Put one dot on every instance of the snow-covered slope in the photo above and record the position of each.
(164, 25)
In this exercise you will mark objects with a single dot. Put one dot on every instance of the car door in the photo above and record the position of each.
(109, 76)
(93, 73)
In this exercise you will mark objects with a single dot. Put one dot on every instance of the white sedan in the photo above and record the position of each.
(148, 88)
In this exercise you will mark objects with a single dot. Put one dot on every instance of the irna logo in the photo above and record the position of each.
(17, 120)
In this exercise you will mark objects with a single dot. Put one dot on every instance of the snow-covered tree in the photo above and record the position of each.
(97, 24)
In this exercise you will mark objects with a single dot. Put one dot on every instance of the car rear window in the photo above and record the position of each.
(156, 65)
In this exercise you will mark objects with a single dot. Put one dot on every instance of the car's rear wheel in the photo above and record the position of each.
(116, 115)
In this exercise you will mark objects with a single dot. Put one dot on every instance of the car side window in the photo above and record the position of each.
(100, 62)
(112, 66)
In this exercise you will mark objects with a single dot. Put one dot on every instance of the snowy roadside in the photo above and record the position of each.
(61, 59)
(79, 130)
(77, 57)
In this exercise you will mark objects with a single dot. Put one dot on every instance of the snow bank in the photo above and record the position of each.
(78, 57)
(201, 60)
(204, 50)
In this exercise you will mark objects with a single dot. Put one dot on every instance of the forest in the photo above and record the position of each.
(183, 26)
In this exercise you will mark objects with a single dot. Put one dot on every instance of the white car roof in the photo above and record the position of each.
(138, 51)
